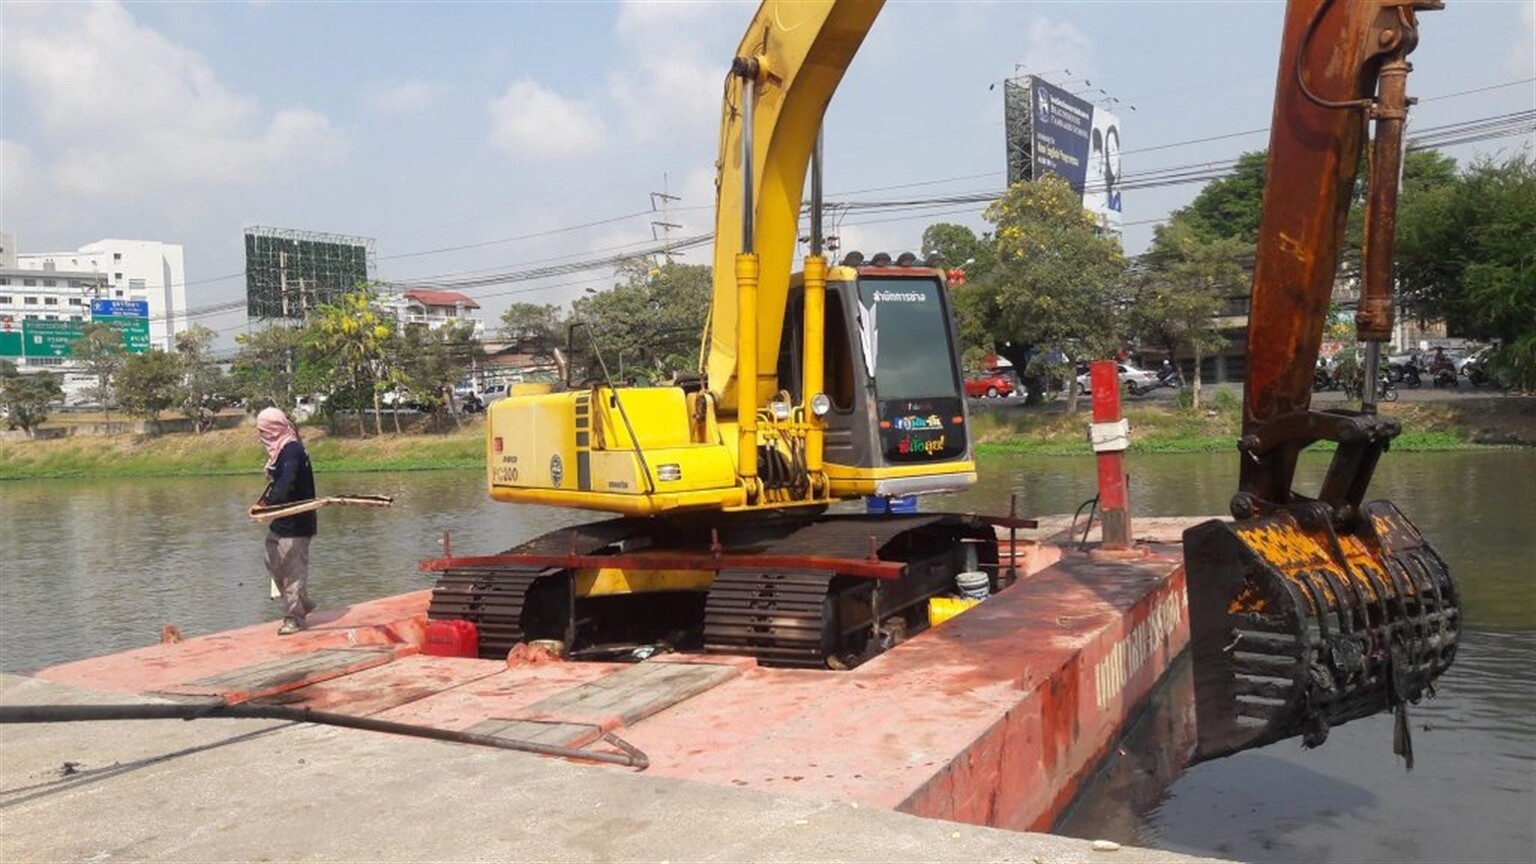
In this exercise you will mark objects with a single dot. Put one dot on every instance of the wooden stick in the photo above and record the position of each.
(278, 511)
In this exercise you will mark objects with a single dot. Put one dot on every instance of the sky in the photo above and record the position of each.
(479, 137)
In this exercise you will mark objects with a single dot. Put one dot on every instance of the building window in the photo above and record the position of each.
(5, 298)
(75, 318)
(76, 301)
(49, 283)
(50, 301)
(30, 301)
(31, 316)
(117, 293)
(117, 256)
(50, 317)
(29, 283)
(5, 280)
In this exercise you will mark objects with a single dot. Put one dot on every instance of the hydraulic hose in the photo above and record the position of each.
(630, 757)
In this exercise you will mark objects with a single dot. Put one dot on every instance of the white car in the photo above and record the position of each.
(1131, 378)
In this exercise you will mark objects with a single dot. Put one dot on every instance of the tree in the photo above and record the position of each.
(149, 383)
(1465, 253)
(269, 368)
(533, 328)
(1180, 294)
(204, 387)
(650, 325)
(26, 398)
(100, 349)
(435, 360)
(959, 244)
(354, 337)
(1052, 291)
(1230, 206)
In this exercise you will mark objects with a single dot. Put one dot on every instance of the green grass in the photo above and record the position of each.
(233, 452)
(1214, 429)
(1160, 429)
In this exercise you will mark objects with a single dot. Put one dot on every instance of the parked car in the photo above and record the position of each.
(988, 384)
(1134, 379)
(494, 391)
(400, 400)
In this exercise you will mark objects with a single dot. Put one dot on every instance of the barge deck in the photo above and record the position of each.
(994, 719)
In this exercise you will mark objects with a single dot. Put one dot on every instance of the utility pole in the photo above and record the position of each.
(666, 224)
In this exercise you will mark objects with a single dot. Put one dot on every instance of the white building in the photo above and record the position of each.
(436, 308)
(30, 295)
(130, 270)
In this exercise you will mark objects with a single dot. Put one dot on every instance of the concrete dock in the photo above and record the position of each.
(251, 790)
(993, 720)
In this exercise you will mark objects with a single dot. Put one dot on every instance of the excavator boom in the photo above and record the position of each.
(800, 51)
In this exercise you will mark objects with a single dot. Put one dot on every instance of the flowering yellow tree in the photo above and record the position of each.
(353, 337)
(1053, 289)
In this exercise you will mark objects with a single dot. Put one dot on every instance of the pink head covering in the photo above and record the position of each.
(275, 430)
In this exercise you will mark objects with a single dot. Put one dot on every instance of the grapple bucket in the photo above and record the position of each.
(1296, 627)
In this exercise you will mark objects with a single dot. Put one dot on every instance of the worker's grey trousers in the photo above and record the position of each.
(287, 560)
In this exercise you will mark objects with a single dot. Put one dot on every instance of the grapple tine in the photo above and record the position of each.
(1296, 627)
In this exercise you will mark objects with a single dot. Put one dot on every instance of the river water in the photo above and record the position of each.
(90, 567)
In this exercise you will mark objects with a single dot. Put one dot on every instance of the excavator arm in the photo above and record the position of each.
(1308, 611)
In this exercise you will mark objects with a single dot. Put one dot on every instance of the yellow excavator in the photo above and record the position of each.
(840, 382)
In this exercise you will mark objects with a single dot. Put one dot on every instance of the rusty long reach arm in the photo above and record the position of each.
(1307, 612)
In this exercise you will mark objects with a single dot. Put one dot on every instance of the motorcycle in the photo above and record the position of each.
(1167, 376)
(1386, 390)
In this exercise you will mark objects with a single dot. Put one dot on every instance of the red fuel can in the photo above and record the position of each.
(452, 638)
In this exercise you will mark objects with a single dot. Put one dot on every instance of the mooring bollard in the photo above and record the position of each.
(1110, 435)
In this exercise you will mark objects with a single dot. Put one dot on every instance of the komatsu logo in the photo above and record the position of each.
(556, 471)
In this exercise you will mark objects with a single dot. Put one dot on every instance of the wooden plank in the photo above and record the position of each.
(553, 733)
(629, 696)
(283, 674)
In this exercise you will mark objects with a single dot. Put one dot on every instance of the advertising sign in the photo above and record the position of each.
(1079, 142)
(1063, 124)
(120, 308)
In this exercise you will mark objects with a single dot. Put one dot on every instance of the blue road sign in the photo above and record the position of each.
(120, 308)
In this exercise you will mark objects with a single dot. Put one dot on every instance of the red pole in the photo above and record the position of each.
(1110, 436)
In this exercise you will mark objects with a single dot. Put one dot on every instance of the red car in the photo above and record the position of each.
(988, 384)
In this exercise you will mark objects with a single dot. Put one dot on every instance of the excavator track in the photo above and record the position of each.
(492, 598)
(787, 597)
(780, 616)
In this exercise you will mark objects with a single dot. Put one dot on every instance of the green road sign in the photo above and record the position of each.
(135, 331)
(10, 343)
(55, 338)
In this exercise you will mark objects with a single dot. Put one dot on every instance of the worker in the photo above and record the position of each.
(290, 479)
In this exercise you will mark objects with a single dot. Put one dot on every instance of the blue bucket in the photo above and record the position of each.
(880, 505)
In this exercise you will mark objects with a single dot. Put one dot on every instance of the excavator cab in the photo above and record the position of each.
(896, 421)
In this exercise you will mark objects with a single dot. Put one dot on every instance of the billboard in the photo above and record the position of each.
(288, 273)
(1049, 130)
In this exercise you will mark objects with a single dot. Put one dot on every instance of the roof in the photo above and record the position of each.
(441, 298)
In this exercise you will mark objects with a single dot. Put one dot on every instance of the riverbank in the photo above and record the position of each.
(1004, 428)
